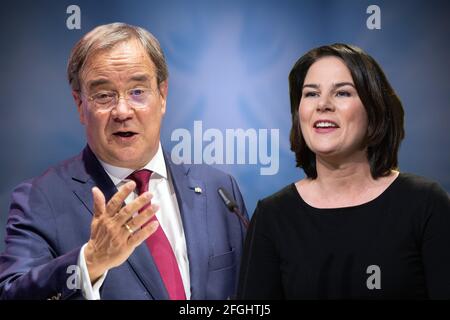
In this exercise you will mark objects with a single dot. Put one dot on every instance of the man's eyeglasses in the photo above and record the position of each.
(137, 98)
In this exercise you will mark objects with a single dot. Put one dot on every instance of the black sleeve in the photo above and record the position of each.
(436, 244)
(260, 276)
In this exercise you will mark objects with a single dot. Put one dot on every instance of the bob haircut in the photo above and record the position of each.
(384, 109)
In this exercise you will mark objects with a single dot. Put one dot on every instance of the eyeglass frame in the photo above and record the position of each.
(117, 97)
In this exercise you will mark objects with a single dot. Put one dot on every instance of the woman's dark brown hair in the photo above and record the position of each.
(384, 109)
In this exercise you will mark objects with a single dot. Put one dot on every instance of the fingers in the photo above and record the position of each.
(99, 201)
(126, 212)
(117, 200)
(139, 236)
(142, 218)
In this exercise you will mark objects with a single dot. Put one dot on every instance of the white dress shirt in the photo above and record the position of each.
(168, 214)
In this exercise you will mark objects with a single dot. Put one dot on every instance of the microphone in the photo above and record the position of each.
(232, 206)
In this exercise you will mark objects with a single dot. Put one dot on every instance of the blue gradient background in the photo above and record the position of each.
(228, 63)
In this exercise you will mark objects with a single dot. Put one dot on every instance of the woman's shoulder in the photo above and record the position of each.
(417, 191)
(284, 197)
(418, 185)
(275, 208)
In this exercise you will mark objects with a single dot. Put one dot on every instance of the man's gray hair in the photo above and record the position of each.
(106, 37)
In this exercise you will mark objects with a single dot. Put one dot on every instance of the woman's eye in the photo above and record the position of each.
(310, 94)
(343, 94)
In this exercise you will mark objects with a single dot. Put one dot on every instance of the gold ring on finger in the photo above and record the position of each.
(128, 228)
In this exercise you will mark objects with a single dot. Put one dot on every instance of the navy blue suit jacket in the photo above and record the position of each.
(50, 218)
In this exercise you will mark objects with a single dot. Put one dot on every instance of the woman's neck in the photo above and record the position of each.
(351, 176)
(343, 183)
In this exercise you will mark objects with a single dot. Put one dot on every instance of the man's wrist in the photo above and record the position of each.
(95, 272)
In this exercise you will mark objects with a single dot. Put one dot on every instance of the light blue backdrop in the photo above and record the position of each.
(228, 62)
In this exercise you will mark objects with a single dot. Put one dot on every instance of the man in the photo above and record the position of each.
(85, 228)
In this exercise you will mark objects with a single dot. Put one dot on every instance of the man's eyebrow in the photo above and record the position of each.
(95, 83)
(98, 82)
(140, 77)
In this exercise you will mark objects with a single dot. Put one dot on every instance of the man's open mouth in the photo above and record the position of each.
(125, 134)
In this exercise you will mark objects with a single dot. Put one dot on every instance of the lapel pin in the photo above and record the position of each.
(198, 190)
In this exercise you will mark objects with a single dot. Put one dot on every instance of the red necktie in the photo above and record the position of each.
(159, 246)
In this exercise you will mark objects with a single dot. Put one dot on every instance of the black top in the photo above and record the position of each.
(395, 246)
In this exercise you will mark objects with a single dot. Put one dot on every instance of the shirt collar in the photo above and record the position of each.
(118, 174)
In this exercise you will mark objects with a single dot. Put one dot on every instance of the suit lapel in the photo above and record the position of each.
(91, 174)
(192, 207)
(142, 263)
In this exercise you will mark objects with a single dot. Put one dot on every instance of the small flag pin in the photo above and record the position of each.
(198, 190)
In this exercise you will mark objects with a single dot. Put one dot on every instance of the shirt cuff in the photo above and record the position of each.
(89, 291)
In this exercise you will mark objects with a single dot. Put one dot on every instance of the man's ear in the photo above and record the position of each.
(163, 89)
(79, 103)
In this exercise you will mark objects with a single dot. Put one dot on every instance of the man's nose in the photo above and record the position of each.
(122, 110)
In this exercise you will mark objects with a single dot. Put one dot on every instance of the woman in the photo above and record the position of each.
(354, 227)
